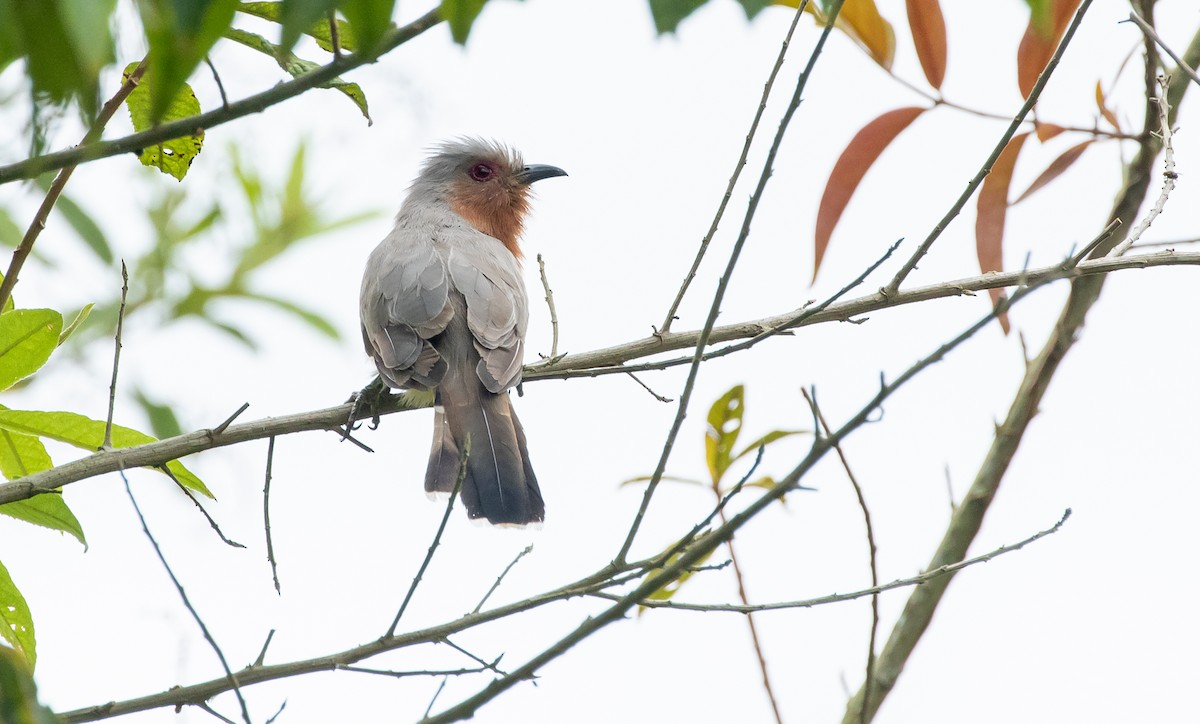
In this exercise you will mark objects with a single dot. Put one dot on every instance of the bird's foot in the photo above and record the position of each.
(366, 404)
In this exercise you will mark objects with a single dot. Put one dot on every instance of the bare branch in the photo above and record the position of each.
(267, 513)
(1153, 35)
(1169, 175)
(550, 304)
(112, 387)
(499, 579)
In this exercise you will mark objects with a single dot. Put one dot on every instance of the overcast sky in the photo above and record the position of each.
(1096, 623)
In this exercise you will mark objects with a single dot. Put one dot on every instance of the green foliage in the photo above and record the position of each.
(668, 14)
(180, 32)
(65, 44)
(303, 17)
(27, 337)
(22, 455)
(16, 623)
(163, 422)
(371, 19)
(18, 694)
(297, 67)
(460, 16)
(173, 157)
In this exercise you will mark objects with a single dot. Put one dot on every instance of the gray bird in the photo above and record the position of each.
(443, 308)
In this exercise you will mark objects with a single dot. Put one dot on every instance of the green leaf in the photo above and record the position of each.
(65, 42)
(297, 67)
(307, 17)
(86, 227)
(724, 424)
(10, 233)
(370, 19)
(314, 320)
(163, 421)
(19, 704)
(88, 434)
(671, 478)
(460, 16)
(75, 323)
(1041, 16)
(172, 157)
(754, 7)
(16, 623)
(669, 13)
(670, 589)
(22, 455)
(181, 32)
(765, 440)
(27, 337)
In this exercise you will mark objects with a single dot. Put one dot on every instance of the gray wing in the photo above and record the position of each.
(487, 276)
(404, 302)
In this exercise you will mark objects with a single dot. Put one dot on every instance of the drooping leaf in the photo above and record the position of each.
(66, 43)
(180, 33)
(1055, 169)
(724, 424)
(88, 434)
(859, 19)
(27, 338)
(49, 511)
(304, 17)
(79, 319)
(929, 36)
(163, 422)
(172, 157)
(1105, 111)
(22, 455)
(298, 66)
(19, 703)
(991, 211)
(16, 623)
(670, 478)
(848, 172)
(753, 7)
(668, 14)
(1037, 45)
(460, 15)
(370, 19)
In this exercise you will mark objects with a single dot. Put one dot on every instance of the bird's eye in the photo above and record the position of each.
(481, 172)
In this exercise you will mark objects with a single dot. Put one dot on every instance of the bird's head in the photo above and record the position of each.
(486, 184)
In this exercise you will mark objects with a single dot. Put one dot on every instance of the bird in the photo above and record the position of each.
(443, 307)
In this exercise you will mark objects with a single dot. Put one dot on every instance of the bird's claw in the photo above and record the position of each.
(366, 403)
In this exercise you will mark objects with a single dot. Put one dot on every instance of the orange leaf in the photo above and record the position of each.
(990, 214)
(1036, 48)
(1055, 169)
(1102, 104)
(851, 166)
(859, 19)
(929, 35)
(1046, 131)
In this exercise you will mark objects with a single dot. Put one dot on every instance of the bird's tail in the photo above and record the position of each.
(499, 483)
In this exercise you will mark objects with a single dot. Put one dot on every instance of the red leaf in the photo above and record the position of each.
(990, 214)
(850, 168)
(1046, 131)
(929, 35)
(1036, 48)
(1055, 169)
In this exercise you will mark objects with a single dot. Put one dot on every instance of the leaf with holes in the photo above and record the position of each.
(88, 434)
(862, 151)
(724, 425)
(1040, 40)
(929, 37)
(27, 338)
(16, 623)
(1055, 169)
(991, 210)
(173, 157)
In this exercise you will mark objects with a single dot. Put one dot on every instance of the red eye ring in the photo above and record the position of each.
(482, 172)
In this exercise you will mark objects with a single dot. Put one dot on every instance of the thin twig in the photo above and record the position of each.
(267, 513)
(112, 387)
(862, 504)
(334, 40)
(524, 552)
(719, 295)
(437, 538)
(229, 420)
(490, 666)
(894, 285)
(733, 178)
(1153, 35)
(406, 674)
(434, 698)
(1169, 174)
(60, 182)
(217, 79)
(204, 706)
(212, 523)
(186, 602)
(262, 654)
(646, 387)
(916, 580)
(282, 706)
(550, 304)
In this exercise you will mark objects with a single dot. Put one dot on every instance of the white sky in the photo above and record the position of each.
(1095, 624)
